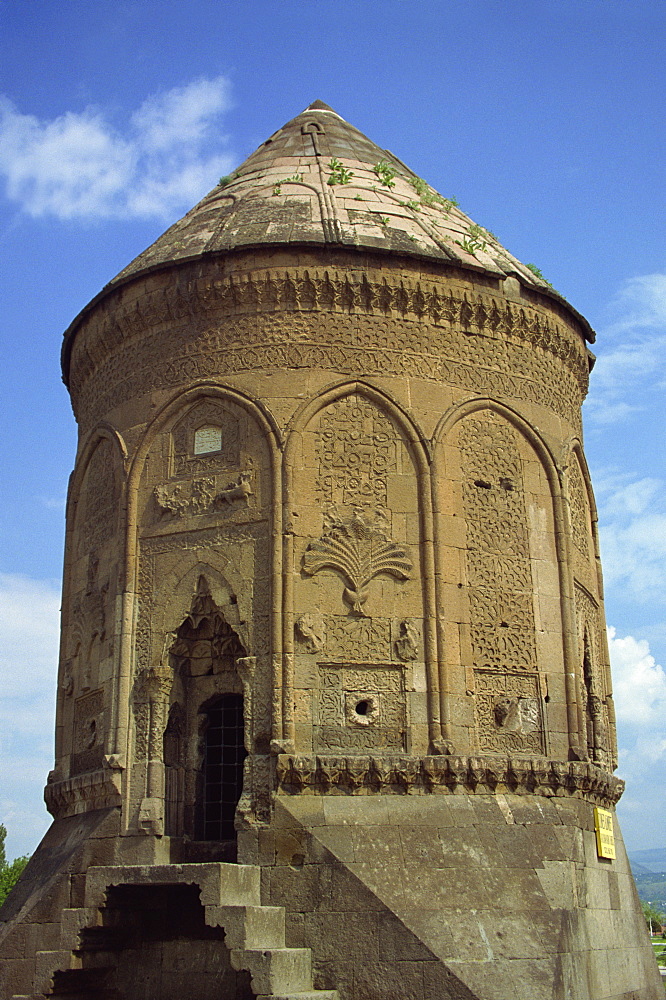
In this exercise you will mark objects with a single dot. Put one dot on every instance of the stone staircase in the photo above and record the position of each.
(91, 941)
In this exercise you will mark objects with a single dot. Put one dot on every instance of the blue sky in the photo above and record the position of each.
(544, 120)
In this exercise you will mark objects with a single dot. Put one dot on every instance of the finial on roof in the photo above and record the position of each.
(320, 106)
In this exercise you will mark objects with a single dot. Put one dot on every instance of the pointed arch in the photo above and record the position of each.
(554, 478)
(420, 453)
(179, 403)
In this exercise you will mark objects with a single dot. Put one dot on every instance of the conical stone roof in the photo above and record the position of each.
(318, 180)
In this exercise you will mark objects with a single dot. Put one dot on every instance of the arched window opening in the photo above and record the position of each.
(222, 768)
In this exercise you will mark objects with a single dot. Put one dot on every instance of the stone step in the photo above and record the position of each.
(276, 971)
(221, 883)
(310, 995)
(249, 927)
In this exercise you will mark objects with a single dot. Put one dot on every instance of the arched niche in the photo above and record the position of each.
(500, 596)
(183, 732)
(357, 586)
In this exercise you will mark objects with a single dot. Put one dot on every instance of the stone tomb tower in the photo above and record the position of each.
(334, 704)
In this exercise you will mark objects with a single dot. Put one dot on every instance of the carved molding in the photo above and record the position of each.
(95, 790)
(483, 775)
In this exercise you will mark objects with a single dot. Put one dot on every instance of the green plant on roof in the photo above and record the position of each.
(358, 197)
(430, 197)
(277, 188)
(473, 240)
(227, 179)
(339, 173)
(295, 178)
(414, 205)
(538, 273)
(386, 173)
(383, 220)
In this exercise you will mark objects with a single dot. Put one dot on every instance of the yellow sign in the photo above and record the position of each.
(603, 827)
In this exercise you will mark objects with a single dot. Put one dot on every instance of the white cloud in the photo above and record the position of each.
(29, 633)
(632, 534)
(639, 685)
(632, 346)
(79, 166)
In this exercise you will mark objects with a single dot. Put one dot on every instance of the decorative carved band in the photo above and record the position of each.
(201, 303)
(83, 793)
(524, 775)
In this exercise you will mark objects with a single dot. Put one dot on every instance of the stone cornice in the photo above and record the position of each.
(438, 302)
(482, 775)
(94, 790)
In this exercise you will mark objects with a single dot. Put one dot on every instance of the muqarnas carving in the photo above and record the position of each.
(361, 706)
(358, 547)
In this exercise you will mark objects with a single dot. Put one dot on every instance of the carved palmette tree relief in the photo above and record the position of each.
(359, 548)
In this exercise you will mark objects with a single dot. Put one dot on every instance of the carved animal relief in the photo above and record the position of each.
(358, 548)
(202, 496)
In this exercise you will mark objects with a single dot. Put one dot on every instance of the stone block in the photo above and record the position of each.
(275, 971)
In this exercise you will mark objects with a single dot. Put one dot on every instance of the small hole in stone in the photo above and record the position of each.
(506, 484)
(362, 707)
(547, 698)
(482, 483)
(504, 624)
(233, 599)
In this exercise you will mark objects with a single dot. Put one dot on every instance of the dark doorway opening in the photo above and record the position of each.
(222, 768)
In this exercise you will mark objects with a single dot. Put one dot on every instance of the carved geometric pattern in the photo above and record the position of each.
(498, 556)
(359, 548)
(355, 638)
(579, 509)
(360, 706)
(99, 499)
(508, 710)
(590, 678)
(356, 445)
(88, 748)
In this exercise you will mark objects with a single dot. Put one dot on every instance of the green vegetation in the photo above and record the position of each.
(9, 871)
(474, 240)
(227, 179)
(383, 220)
(429, 197)
(414, 205)
(652, 886)
(386, 173)
(339, 173)
(538, 272)
(277, 187)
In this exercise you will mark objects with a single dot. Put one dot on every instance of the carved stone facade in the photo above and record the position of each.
(331, 609)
